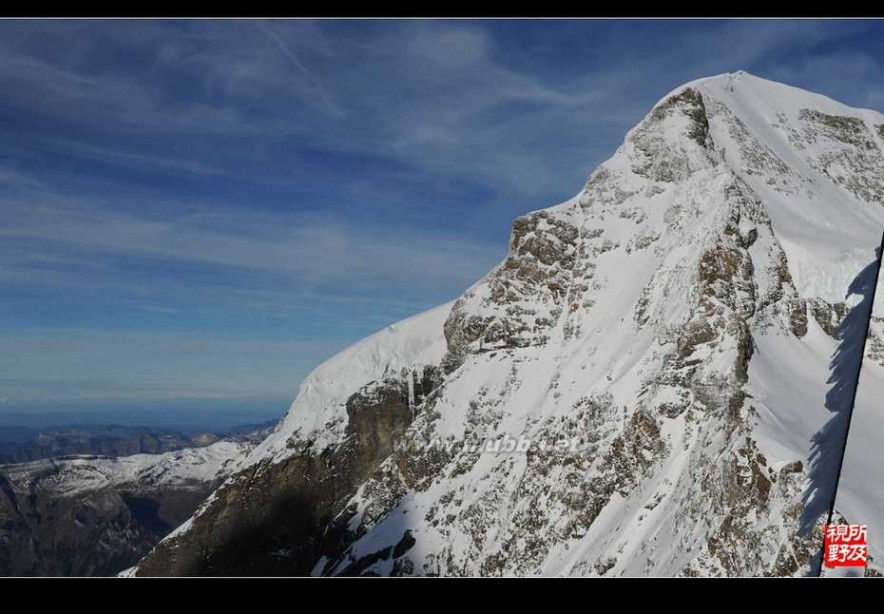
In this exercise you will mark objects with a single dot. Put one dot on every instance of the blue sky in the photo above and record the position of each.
(196, 213)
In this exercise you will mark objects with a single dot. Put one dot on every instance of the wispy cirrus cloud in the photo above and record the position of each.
(54, 367)
(310, 181)
(288, 245)
(321, 93)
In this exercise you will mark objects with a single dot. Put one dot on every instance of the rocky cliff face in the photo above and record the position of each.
(93, 516)
(632, 391)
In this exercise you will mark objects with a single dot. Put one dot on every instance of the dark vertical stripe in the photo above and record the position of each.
(859, 369)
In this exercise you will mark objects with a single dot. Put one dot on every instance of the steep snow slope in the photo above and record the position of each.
(415, 341)
(656, 349)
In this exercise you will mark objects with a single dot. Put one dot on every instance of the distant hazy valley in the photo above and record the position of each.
(92, 500)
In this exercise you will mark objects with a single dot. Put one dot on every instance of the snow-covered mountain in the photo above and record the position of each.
(96, 515)
(657, 350)
(68, 476)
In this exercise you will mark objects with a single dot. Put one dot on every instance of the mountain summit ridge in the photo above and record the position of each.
(657, 323)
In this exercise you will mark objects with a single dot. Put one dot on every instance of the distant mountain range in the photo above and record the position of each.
(23, 444)
(92, 500)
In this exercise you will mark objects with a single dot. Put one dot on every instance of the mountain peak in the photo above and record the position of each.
(811, 159)
(746, 89)
(659, 344)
